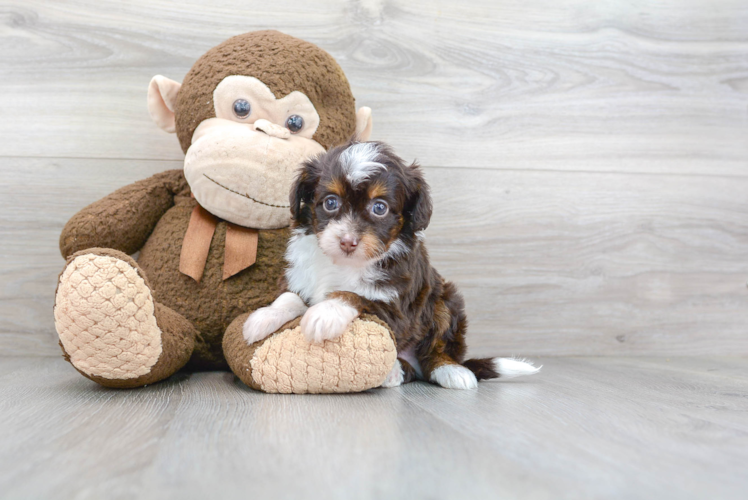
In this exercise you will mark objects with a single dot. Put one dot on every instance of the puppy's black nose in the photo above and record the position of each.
(348, 244)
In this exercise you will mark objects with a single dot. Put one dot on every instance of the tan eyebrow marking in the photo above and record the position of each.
(336, 186)
(377, 190)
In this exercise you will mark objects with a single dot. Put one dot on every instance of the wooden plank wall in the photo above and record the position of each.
(589, 160)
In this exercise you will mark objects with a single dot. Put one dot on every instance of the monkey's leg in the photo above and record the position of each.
(286, 362)
(110, 327)
(238, 353)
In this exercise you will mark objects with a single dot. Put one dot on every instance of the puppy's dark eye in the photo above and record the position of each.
(331, 203)
(294, 123)
(379, 208)
(242, 108)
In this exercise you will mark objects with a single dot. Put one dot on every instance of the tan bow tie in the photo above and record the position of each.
(240, 250)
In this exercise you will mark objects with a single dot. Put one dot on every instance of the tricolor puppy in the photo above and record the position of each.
(359, 213)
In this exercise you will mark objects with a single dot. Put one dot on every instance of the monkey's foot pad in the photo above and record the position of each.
(359, 359)
(104, 315)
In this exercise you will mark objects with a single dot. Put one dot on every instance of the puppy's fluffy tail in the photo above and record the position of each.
(488, 368)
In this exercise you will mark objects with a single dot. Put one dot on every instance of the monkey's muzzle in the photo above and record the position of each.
(242, 174)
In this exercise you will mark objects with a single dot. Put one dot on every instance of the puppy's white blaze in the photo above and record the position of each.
(395, 377)
(511, 367)
(313, 275)
(421, 235)
(327, 320)
(359, 162)
(454, 377)
(267, 320)
(329, 242)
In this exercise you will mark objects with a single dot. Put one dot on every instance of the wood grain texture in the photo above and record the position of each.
(553, 263)
(628, 428)
(572, 263)
(607, 86)
(588, 160)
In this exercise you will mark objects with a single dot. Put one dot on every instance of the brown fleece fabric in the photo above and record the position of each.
(213, 303)
(124, 219)
(284, 64)
(239, 354)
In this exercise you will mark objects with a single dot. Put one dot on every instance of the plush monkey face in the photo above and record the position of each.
(241, 163)
(248, 113)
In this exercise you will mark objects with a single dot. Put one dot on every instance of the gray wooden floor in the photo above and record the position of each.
(594, 427)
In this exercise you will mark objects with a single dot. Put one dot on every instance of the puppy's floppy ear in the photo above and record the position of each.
(302, 191)
(418, 206)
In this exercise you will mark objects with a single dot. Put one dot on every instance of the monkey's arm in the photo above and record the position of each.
(124, 219)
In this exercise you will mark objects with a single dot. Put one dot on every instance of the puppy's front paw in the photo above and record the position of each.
(262, 323)
(454, 377)
(327, 320)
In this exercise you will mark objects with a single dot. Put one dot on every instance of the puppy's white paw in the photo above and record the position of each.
(327, 320)
(395, 377)
(262, 323)
(454, 377)
(267, 320)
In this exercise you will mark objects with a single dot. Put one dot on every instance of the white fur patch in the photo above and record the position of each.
(359, 162)
(267, 320)
(454, 377)
(327, 320)
(395, 377)
(313, 275)
(329, 241)
(510, 367)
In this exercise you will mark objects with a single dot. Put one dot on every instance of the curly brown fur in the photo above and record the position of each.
(284, 64)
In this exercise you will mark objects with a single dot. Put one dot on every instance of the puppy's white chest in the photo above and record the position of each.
(312, 274)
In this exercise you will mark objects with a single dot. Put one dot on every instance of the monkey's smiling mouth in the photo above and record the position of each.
(244, 194)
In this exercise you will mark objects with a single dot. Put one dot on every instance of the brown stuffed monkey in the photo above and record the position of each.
(211, 237)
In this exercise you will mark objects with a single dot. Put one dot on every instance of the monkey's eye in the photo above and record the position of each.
(242, 108)
(294, 123)
(379, 208)
(331, 203)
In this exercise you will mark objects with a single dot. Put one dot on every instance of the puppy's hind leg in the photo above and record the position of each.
(441, 357)
(443, 361)
(402, 373)
(446, 372)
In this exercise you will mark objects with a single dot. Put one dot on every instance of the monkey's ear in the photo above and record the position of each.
(418, 207)
(162, 98)
(303, 191)
(363, 124)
